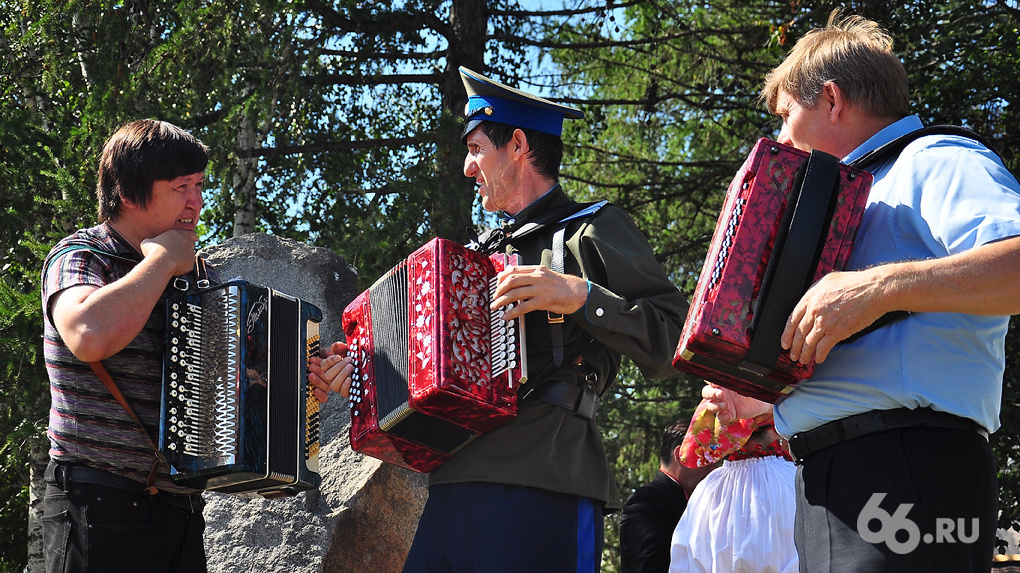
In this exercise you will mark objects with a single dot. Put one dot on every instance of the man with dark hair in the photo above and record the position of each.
(652, 512)
(109, 506)
(895, 470)
(530, 495)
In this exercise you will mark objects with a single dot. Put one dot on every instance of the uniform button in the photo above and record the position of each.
(599, 311)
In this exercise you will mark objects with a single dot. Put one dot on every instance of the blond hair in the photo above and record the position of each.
(852, 52)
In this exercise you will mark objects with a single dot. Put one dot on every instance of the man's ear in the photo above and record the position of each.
(834, 100)
(676, 454)
(127, 202)
(519, 144)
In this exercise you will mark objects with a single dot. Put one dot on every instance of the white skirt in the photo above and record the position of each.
(739, 520)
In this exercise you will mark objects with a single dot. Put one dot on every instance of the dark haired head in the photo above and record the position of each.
(140, 153)
(546, 150)
(671, 439)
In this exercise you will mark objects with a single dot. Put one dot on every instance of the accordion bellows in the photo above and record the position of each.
(762, 260)
(238, 415)
(434, 366)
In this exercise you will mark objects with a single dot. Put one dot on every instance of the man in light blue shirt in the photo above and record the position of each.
(891, 431)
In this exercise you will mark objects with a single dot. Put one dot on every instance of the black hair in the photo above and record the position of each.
(139, 154)
(546, 149)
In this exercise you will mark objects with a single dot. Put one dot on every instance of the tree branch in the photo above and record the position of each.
(393, 56)
(351, 80)
(332, 146)
(385, 23)
(566, 12)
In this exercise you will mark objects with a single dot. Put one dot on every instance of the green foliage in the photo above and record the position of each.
(1006, 441)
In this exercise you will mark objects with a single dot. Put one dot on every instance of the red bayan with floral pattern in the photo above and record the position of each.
(434, 366)
(718, 330)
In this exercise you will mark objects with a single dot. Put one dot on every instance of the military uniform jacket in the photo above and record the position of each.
(632, 309)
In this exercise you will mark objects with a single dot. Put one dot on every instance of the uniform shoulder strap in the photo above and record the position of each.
(558, 217)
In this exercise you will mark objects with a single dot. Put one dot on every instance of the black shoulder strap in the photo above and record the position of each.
(894, 147)
(494, 239)
(180, 283)
(557, 263)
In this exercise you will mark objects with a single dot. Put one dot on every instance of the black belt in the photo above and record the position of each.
(63, 475)
(581, 400)
(804, 444)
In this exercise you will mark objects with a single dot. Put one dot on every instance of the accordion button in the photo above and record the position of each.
(599, 311)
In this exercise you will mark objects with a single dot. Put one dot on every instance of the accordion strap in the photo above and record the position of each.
(555, 318)
(793, 260)
(104, 375)
(894, 147)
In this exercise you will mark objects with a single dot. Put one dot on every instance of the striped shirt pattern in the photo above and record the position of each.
(87, 424)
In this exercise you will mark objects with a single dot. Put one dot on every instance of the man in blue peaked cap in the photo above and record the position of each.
(530, 495)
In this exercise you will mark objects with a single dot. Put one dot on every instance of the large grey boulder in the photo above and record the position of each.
(365, 512)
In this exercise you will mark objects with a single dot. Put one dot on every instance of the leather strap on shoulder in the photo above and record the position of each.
(107, 380)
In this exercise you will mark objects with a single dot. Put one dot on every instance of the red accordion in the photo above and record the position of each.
(788, 219)
(434, 366)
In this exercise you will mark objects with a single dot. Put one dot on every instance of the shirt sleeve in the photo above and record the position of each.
(967, 197)
(632, 306)
(67, 267)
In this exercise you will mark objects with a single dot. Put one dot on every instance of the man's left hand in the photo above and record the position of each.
(331, 370)
(833, 309)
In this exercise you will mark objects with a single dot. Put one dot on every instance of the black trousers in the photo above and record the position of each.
(97, 528)
(914, 499)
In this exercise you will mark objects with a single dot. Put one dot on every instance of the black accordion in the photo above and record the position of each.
(238, 414)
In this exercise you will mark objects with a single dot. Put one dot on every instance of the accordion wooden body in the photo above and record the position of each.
(434, 366)
(789, 218)
(237, 413)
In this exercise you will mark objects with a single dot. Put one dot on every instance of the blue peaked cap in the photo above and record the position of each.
(489, 100)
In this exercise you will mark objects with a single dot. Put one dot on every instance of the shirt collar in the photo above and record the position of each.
(887, 134)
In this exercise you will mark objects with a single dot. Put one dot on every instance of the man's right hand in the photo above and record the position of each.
(177, 246)
(729, 406)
